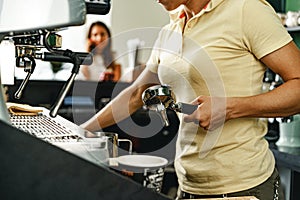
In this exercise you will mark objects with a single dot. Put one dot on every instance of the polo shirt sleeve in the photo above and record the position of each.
(262, 27)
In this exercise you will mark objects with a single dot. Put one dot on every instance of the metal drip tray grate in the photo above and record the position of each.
(45, 128)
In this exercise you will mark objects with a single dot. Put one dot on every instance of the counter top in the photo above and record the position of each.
(287, 156)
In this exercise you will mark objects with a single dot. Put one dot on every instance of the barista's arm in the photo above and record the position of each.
(122, 106)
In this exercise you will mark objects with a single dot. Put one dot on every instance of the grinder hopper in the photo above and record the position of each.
(161, 97)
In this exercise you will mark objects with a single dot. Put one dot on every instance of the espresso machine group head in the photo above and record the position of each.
(31, 26)
(161, 97)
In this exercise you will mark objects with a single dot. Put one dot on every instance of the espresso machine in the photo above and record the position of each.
(34, 36)
(32, 27)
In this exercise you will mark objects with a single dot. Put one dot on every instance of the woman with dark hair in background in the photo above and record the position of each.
(99, 44)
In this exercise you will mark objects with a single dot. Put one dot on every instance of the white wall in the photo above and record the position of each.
(131, 14)
(135, 19)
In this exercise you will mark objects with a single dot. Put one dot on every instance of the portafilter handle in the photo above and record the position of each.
(184, 108)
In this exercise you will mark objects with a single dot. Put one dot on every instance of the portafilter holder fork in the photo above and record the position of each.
(161, 97)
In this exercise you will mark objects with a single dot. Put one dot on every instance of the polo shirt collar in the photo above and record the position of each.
(179, 12)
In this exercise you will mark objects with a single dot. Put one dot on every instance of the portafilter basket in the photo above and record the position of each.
(161, 97)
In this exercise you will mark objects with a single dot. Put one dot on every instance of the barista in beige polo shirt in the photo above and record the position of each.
(214, 54)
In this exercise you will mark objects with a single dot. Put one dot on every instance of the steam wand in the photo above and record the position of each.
(77, 61)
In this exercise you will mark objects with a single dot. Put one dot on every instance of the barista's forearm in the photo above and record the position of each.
(282, 101)
(126, 103)
(93, 124)
(121, 107)
(118, 109)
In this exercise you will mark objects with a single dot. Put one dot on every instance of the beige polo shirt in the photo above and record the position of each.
(217, 53)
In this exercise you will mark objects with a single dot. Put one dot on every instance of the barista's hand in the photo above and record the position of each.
(211, 112)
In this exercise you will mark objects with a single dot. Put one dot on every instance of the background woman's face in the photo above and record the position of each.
(99, 37)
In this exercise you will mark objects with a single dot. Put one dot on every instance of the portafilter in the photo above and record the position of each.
(161, 97)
